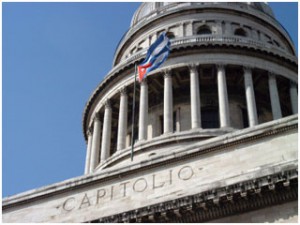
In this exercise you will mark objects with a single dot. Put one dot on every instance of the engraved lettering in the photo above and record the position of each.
(185, 173)
(159, 186)
(65, 204)
(100, 194)
(85, 201)
(104, 194)
(124, 184)
(141, 181)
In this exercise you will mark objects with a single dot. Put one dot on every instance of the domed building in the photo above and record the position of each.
(215, 133)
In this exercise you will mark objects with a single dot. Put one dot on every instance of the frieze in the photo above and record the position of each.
(127, 188)
(235, 198)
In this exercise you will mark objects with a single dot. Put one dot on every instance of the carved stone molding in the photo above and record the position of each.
(107, 103)
(89, 131)
(217, 203)
(193, 67)
(123, 90)
(272, 74)
(167, 73)
(144, 82)
(97, 117)
(247, 69)
(220, 66)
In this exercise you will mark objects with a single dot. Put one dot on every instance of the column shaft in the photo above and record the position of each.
(168, 103)
(250, 98)
(95, 151)
(178, 120)
(106, 133)
(294, 97)
(195, 98)
(88, 153)
(123, 114)
(223, 97)
(275, 102)
(143, 115)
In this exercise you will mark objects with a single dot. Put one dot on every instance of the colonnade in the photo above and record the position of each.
(94, 135)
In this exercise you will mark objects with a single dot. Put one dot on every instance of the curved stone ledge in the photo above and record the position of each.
(223, 138)
(164, 140)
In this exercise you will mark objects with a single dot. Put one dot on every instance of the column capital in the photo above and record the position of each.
(220, 66)
(123, 90)
(96, 117)
(271, 74)
(89, 131)
(144, 82)
(193, 66)
(167, 73)
(107, 104)
(247, 69)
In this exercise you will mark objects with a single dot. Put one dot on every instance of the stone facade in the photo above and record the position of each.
(216, 136)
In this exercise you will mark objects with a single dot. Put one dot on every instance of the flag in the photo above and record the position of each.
(157, 53)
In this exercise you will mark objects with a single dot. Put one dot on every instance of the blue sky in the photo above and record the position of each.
(54, 55)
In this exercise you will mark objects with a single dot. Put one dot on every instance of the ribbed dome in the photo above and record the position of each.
(150, 9)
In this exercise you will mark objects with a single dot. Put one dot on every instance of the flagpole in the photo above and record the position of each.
(133, 112)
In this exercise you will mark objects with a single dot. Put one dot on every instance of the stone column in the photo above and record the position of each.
(250, 97)
(123, 114)
(88, 152)
(195, 97)
(223, 97)
(106, 133)
(95, 151)
(168, 103)
(294, 97)
(143, 115)
(275, 102)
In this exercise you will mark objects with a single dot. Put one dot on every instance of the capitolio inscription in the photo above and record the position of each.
(127, 188)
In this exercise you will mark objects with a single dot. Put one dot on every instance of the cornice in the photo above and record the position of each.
(217, 203)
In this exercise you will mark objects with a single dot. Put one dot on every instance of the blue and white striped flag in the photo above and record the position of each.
(157, 53)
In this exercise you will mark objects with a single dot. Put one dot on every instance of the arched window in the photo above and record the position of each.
(240, 32)
(204, 30)
(170, 35)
